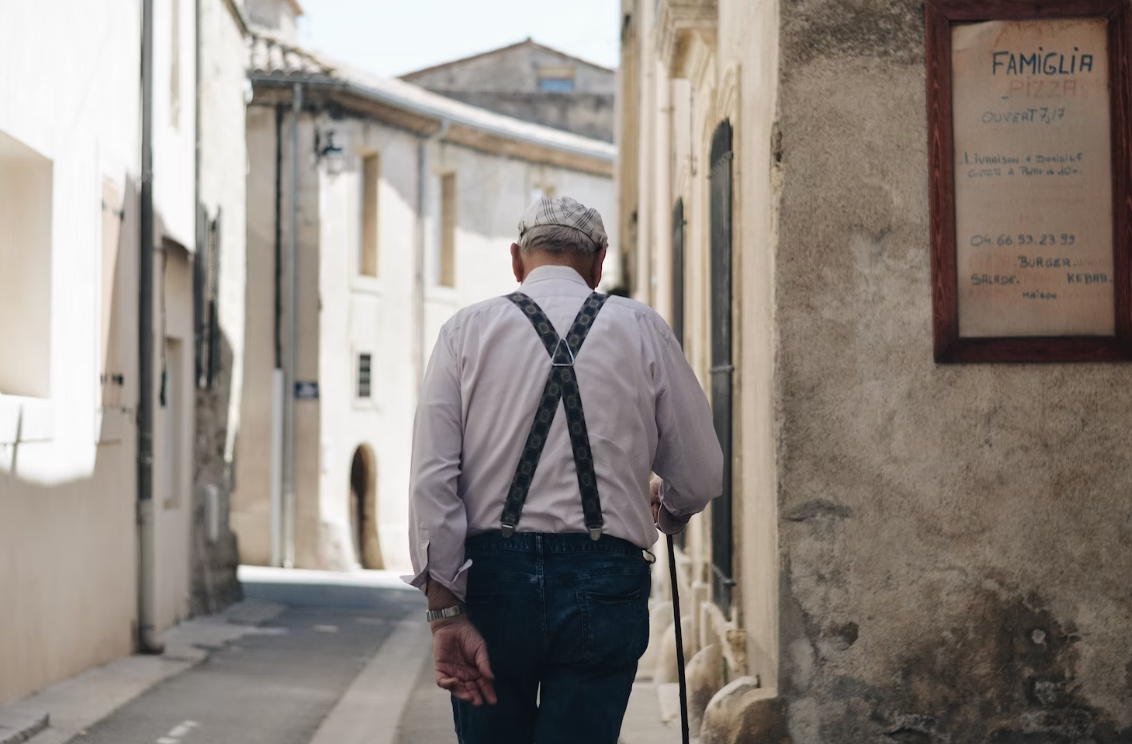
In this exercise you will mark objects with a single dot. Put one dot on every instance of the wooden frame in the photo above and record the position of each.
(950, 347)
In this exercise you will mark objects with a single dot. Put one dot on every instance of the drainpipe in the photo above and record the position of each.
(422, 243)
(147, 644)
(289, 510)
(278, 382)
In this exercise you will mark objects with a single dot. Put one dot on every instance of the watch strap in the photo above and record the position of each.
(445, 613)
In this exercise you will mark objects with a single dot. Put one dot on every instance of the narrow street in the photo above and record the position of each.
(308, 657)
(279, 684)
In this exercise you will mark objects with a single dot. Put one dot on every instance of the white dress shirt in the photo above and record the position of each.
(644, 408)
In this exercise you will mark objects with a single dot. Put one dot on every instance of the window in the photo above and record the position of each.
(364, 375)
(448, 230)
(173, 424)
(722, 371)
(206, 300)
(556, 85)
(367, 247)
(556, 79)
(175, 64)
(25, 269)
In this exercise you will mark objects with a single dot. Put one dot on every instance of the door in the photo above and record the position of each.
(678, 295)
(721, 367)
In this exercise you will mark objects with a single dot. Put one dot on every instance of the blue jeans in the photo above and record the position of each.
(565, 619)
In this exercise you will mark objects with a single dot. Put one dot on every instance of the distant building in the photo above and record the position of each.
(405, 204)
(531, 82)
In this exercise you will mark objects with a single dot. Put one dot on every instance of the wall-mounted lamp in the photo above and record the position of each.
(329, 152)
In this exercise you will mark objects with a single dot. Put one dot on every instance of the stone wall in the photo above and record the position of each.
(223, 143)
(952, 538)
(507, 81)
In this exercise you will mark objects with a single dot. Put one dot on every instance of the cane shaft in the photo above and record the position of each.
(679, 642)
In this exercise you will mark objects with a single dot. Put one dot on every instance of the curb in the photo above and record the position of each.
(77, 703)
(18, 724)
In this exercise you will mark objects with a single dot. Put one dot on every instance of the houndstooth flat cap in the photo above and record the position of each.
(565, 212)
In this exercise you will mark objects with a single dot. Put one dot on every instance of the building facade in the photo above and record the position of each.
(402, 205)
(219, 293)
(72, 177)
(906, 551)
(532, 82)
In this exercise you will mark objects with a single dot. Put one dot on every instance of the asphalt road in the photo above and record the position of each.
(272, 687)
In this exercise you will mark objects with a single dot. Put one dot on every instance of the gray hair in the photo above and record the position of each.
(558, 239)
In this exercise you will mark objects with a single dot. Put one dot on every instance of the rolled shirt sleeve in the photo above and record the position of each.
(688, 456)
(438, 521)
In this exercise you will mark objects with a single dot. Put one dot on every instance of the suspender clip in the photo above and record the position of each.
(557, 360)
(595, 533)
(508, 530)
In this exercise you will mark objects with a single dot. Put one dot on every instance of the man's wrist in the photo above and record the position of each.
(669, 523)
(445, 613)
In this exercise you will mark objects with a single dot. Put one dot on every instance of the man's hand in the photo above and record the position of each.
(462, 666)
(654, 498)
(665, 521)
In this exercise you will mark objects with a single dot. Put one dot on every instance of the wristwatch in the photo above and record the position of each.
(447, 612)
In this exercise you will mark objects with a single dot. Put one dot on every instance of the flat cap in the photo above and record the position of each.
(565, 212)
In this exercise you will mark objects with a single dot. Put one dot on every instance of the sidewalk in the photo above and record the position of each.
(64, 710)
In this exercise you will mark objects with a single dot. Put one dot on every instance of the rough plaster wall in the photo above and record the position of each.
(748, 49)
(223, 149)
(953, 538)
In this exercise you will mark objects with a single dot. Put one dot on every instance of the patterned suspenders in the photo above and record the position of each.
(561, 385)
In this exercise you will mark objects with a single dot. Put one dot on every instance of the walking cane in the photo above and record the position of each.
(679, 642)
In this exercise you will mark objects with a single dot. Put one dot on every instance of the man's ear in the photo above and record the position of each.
(599, 261)
(517, 263)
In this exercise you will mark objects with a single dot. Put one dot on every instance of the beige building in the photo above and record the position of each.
(402, 205)
(906, 551)
(71, 216)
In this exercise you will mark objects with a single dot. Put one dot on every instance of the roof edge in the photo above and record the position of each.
(408, 76)
(586, 147)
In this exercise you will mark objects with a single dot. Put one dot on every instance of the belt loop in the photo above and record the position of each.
(538, 545)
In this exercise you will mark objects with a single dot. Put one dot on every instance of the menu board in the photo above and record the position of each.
(1033, 180)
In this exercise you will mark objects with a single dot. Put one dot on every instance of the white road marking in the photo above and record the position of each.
(177, 733)
(326, 628)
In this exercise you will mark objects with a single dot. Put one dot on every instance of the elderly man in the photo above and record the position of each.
(541, 416)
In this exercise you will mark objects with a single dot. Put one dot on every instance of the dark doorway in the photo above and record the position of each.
(721, 367)
(363, 508)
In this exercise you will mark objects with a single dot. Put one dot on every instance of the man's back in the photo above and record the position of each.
(634, 385)
(503, 368)
(540, 418)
